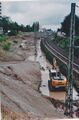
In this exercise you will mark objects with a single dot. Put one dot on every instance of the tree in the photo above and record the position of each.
(35, 26)
(5, 23)
(28, 28)
(8, 24)
(65, 25)
(12, 28)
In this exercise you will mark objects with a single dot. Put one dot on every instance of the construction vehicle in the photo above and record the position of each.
(57, 79)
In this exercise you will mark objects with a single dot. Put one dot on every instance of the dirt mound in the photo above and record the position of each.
(9, 115)
(21, 47)
(19, 82)
(19, 88)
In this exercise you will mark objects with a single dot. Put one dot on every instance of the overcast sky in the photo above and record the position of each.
(49, 13)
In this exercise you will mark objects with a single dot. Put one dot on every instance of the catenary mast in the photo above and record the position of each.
(69, 89)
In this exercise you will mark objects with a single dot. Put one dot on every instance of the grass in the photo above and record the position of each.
(2, 38)
(47, 53)
(4, 43)
(14, 41)
(6, 46)
(49, 56)
(62, 42)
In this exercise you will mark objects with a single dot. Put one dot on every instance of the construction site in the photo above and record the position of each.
(33, 86)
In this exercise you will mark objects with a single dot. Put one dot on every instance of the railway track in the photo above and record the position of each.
(59, 55)
(56, 97)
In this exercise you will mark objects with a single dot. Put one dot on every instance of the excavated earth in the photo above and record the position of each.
(19, 83)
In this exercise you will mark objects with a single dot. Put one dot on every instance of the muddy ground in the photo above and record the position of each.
(19, 82)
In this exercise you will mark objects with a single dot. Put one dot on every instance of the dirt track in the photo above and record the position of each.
(20, 98)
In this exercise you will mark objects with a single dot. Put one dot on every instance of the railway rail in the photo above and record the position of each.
(59, 55)
(56, 97)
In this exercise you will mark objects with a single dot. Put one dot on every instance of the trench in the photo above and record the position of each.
(44, 66)
(57, 98)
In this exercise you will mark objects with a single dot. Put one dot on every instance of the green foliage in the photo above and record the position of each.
(12, 32)
(15, 41)
(2, 38)
(64, 44)
(49, 56)
(76, 51)
(65, 25)
(8, 25)
(4, 22)
(6, 46)
(28, 28)
(63, 68)
(35, 26)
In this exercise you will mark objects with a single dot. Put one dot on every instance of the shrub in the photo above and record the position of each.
(7, 46)
(15, 41)
(2, 38)
(12, 32)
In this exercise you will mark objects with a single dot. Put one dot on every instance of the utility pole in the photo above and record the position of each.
(69, 89)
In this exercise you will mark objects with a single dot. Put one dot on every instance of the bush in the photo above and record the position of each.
(2, 38)
(63, 43)
(50, 56)
(12, 32)
(7, 46)
(15, 41)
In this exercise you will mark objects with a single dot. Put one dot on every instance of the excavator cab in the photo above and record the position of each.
(57, 80)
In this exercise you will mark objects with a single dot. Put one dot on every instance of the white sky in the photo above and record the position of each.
(49, 13)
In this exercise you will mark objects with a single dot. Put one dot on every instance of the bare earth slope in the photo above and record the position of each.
(20, 99)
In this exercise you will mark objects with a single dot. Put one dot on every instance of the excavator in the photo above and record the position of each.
(57, 81)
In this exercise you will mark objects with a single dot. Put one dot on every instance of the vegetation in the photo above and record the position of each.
(47, 53)
(63, 41)
(35, 26)
(2, 38)
(12, 28)
(50, 56)
(6, 46)
(76, 51)
(15, 41)
(4, 43)
(12, 32)
(65, 25)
